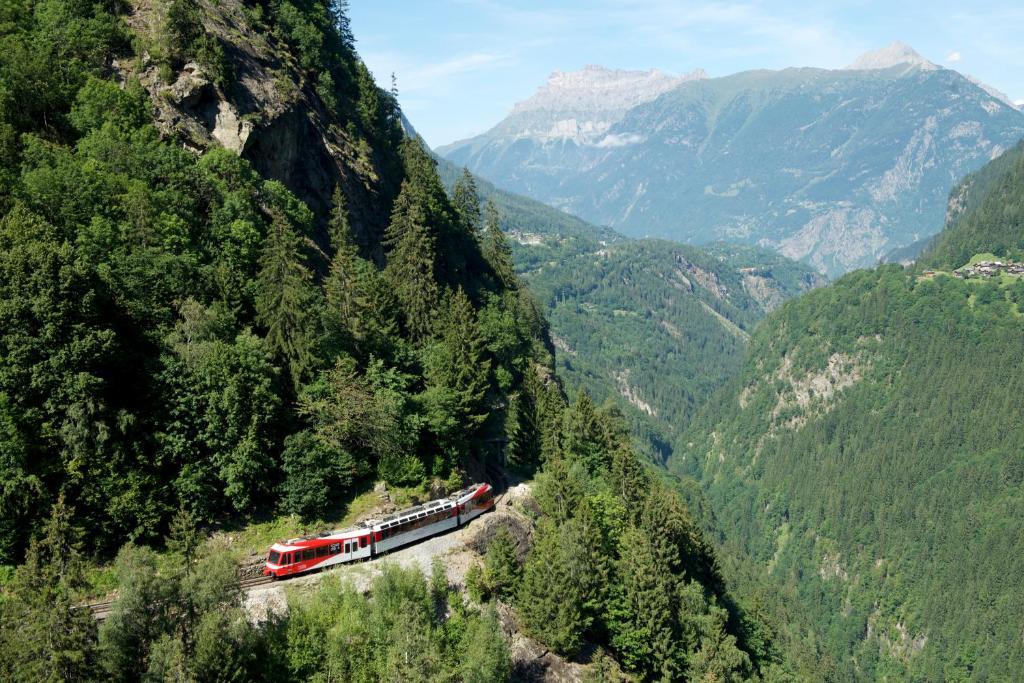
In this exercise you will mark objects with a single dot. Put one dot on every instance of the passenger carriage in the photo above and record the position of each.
(373, 537)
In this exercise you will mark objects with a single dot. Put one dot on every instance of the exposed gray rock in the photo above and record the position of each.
(270, 114)
(833, 167)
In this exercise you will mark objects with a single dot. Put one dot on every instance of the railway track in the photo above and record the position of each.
(254, 582)
(101, 609)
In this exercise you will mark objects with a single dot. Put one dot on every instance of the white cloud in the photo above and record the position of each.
(953, 56)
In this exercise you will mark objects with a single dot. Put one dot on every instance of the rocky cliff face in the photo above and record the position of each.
(835, 168)
(582, 106)
(270, 114)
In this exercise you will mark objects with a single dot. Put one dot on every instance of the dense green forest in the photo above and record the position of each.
(191, 340)
(867, 458)
(986, 215)
(174, 336)
(651, 325)
(659, 326)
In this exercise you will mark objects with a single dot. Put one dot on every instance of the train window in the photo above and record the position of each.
(335, 548)
(308, 554)
(362, 542)
(274, 557)
(348, 547)
(321, 551)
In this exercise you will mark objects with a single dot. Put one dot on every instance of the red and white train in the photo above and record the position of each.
(373, 537)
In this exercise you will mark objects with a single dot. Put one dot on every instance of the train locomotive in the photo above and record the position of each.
(373, 537)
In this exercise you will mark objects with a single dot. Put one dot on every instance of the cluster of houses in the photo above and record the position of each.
(989, 269)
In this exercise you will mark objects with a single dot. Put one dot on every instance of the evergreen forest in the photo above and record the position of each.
(193, 342)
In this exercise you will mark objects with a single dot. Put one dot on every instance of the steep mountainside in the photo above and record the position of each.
(652, 325)
(234, 297)
(835, 168)
(985, 215)
(658, 326)
(868, 457)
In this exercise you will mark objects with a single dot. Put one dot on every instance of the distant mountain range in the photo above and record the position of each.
(836, 168)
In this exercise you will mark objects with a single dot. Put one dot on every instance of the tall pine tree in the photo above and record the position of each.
(640, 614)
(466, 202)
(496, 249)
(285, 297)
(411, 263)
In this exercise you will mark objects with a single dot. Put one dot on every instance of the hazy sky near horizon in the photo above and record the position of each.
(462, 64)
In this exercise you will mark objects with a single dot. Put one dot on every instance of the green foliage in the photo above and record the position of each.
(178, 617)
(411, 269)
(486, 656)
(466, 203)
(618, 560)
(223, 409)
(286, 289)
(988, 209)
(496, 247)
(550, 599)
(330, 633)
(903, 478)
(44, 636)
(501, 568)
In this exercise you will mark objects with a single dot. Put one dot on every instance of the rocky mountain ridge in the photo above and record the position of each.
(832, 167)
(581, 106)
(895, 54)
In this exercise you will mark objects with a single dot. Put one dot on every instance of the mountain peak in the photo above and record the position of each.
(894, 54)
(598, 88)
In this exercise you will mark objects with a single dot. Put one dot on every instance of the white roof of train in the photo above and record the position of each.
(388, 521)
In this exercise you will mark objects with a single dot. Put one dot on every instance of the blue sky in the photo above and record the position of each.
(462, 64)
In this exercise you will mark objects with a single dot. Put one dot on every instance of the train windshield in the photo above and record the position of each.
(274, 557)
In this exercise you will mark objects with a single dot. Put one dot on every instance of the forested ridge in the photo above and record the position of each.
(190, 340)
(651, 325)
(986, 211)
(867, 458)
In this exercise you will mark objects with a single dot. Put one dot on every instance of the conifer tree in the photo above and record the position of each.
(343, 24)
(486, 656)
(501, 569)
(457, 360)
(466, 202)
(496, 248)
(347, 299)
(640, 612)
(411, 264)
(549, 601)
(678, 542)
(285, 297)
(44, 634)
(560, 488)
(582, 435)
(456, 372)
(339, 229)
(561, 592)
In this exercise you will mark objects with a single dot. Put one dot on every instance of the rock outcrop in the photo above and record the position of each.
(270, 114)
